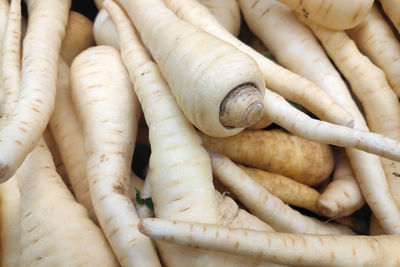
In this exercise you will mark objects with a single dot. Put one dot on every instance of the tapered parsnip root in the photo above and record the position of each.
(282, 248)
(226, 12)
(38, 84)
(191, 58)
(146, 192)
(109, 139)
(266, 206)
(332, 14)
(11, 58)
(79, 36)
(375, 38)
(309, 162)
(67, 133)
(54, 228)
(4, 10)
(289, 85)
(342, 196)
(369, 83)
(181, 176)
(288, 190)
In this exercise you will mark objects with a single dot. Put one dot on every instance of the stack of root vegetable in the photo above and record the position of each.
(291, 158)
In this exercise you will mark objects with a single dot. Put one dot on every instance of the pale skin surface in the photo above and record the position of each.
(375, 39)
(181, 177)
(288, 84)
(38, 84)
(178, 47)
(109, 139)
(282, 248)
(375, 190)
(4, 7)
(332, 14)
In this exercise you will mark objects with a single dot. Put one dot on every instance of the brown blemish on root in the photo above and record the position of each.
(119, 188)
(4, 173)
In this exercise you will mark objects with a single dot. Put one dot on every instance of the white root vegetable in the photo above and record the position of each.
(226, 12)
(332, 14)
(104, 30)
(376, 92)
(67, 133)
(146, 192)
(375, 38)
(109, 139)
(54, 228)
(266, 206)
(191, 58)
(4, 9)
(282, 248)
(342, 196)
(288, 84)
(38, 84)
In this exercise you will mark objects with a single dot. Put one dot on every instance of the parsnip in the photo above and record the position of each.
(375, 38)
(104, 30)
(226, 12)
(288, 84)
(266, 206)
(38, 84)
(109, 139)
(54, 228)
(332, 14)
(191, 58)
(282, 248)
(391, 8)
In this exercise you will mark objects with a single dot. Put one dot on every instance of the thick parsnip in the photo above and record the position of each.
(198, 65)
(375, 38)
(278, 152)
(282, 248)
(109, 139)
(54, 228)
(286, 189)
(4, 8)
(288, 84)
(32, 112)
(342, 196)
(332, 14)
(345, 54)
(226, 12)
(104, 30)
(181, 177)
(266, 206)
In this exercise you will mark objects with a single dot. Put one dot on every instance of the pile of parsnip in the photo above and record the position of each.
(264, 147)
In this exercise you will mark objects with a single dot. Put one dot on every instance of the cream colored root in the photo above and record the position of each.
(342, 196)
(375, 38)
(78, 36)
(11, 61)
(333, 14)
(38, 84)
(4, 10)
(263, 204)
(109, 139)
(288, 84)
(46, 204)
(391, 8)
(67, 133)
(288, 190)
(226, 12)
(372, 181)
(237, 102)
(282, 248)
(10, 230)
